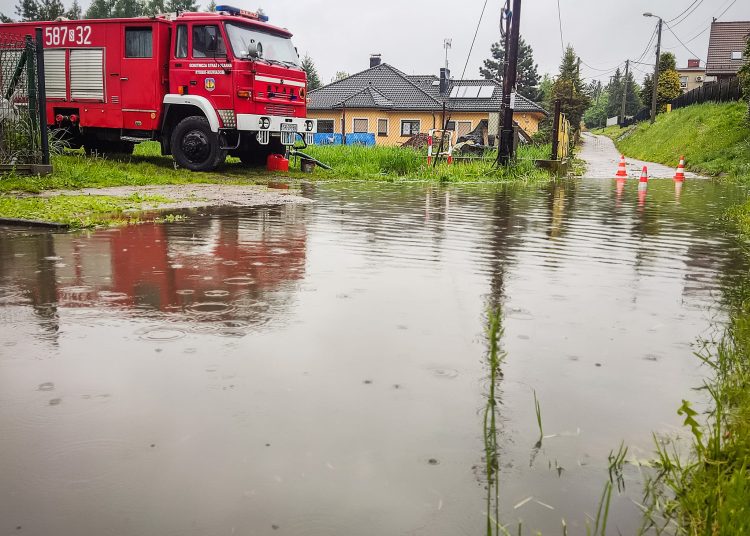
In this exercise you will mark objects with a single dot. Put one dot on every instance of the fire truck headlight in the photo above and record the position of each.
(265, 123)
(309, 125)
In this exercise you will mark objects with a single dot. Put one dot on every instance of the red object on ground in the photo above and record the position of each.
(621, 169)
(680, 175)
(277, 162)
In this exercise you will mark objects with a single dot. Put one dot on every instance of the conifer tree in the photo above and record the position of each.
(568, 87)
(313, 79)
(527, 77)
(127, 8)
(75, 12)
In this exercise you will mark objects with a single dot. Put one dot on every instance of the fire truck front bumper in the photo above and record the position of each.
(287, 127)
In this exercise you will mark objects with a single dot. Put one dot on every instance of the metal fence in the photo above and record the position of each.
(721, 91)
(24, 143)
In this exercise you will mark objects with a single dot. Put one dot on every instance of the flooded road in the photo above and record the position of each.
(322, 369)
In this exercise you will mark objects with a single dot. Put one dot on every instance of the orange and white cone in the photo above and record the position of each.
(643, 182)
(622, 171)
(680, 175)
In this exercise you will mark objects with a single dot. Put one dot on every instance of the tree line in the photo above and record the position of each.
(43, 10)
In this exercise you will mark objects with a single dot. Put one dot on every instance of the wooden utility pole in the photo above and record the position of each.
(624, 91)
(655, 82)
(556, 130)
(506, 149)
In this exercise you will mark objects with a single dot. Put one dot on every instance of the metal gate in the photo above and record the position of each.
(24, 143)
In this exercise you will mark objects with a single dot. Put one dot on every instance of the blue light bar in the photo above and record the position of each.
(242, 13)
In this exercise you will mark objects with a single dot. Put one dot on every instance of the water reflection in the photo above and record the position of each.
(327, 369)
(238, 271)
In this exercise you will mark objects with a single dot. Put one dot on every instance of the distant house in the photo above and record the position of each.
(395, 106)
(725, 48)
(693, 76)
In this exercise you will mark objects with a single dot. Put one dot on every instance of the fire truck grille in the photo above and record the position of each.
(227, 118)
(279, 109)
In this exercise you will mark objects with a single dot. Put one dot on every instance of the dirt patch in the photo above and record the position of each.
(194, 195)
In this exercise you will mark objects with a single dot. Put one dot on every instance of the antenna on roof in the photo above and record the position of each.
(447, 44)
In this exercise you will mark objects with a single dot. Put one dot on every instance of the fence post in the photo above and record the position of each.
(556, 130)
(42, 96)
(31, 89)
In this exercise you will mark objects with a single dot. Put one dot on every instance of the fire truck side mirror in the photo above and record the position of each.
(254, 50)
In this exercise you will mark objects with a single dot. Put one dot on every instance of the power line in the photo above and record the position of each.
(680, 40)
(559, 18)
(727, 9)
(686, 10)
(687, 15)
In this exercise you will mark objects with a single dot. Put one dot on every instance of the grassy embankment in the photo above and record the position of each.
(73, 170)
(706, 491)
(714, 138)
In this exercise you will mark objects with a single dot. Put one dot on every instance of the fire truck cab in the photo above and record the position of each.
(202, 84)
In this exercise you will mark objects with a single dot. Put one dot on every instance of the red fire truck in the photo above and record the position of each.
(202, 84)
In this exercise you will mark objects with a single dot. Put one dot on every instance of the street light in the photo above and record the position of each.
(655, 81)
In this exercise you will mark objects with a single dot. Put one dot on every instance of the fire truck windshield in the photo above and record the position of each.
(276, 48)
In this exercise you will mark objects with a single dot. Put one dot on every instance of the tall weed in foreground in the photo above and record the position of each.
(707, 492)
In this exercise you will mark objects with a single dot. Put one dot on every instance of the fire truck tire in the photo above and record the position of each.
(194, 146)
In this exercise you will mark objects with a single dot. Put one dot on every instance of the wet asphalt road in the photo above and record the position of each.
(602, 157)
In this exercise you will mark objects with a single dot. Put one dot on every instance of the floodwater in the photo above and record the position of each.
(322, 369)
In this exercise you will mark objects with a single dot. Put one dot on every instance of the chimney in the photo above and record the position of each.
(445, 76)
(374, 60)
(694, 64)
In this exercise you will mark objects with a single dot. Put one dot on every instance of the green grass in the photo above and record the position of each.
(79, 211)
(714, 138)
(74, 170)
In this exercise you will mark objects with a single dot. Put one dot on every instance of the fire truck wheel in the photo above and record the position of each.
(194, 146)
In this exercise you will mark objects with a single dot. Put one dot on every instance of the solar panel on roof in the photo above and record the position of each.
(486, 92)
(472, 92)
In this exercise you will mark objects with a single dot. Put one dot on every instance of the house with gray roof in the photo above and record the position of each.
(395, 106)
(725, 48)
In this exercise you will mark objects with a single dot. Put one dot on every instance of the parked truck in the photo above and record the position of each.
(203, 85)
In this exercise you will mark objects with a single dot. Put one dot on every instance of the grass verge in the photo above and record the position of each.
(714, 138)
(79, 211)
(74, 170)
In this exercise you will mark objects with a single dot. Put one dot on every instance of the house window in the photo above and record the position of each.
(208, 42)
(138, 43)
(382, 127)
(325, 126)
(683, 81)
(736, 55)
(361, 126)
(451, 125)
(180, 47)
(410, 127)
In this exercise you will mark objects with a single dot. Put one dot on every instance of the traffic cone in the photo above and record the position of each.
(680, 175)
(643, 182)
(621, 169)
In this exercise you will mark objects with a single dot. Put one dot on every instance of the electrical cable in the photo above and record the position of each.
(680, 40)
(683, 19)
(463, 73)
(559, 18)
(727, 9)
(686, 10)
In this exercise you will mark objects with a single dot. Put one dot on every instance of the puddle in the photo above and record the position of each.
(351, 335)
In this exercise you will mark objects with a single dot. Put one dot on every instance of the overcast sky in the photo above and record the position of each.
(341, 34)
